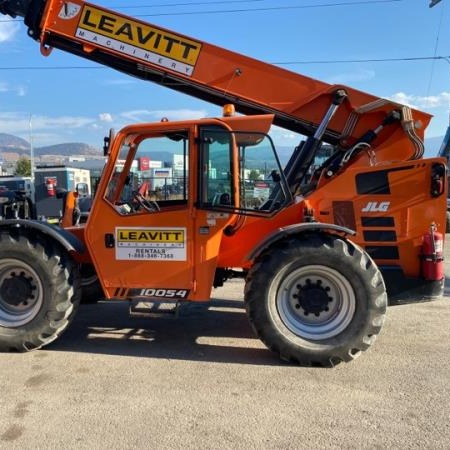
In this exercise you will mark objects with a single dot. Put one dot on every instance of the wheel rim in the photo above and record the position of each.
(21, 293)
(315, 302)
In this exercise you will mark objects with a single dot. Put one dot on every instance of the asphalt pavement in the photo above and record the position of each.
(204, 381)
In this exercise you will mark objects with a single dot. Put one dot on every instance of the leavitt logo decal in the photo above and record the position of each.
(166, 244)
(138, 40)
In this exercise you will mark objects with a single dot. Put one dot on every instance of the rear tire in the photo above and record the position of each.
(39, 291)
(319, 300)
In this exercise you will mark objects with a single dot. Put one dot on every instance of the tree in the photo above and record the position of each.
(253, 175)
(23, 167)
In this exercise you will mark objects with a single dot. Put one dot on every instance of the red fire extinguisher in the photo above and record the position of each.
(51, 184)
(433, 254)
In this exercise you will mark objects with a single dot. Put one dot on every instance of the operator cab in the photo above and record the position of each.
(174, 165)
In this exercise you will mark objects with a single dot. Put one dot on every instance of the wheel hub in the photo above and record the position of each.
(315, 302)
(17, 290)
(312, 297)
(21, 293)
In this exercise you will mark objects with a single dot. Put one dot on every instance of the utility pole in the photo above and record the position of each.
(444, 150)
(31, 150)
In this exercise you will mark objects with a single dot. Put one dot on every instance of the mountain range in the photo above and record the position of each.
(13, 144)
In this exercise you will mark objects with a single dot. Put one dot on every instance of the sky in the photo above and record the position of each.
(64, 98)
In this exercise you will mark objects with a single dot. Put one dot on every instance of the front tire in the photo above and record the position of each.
(91, 288)
(316, 300)
(39, 291)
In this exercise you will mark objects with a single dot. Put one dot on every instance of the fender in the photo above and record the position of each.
(60, 235)
(297, 229)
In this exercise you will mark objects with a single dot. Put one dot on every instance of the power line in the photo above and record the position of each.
(435, 48)
(182, 4)
(345, 61)
(275, 8)
(277, 63)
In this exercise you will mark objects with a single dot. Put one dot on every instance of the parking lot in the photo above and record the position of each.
(204, 381)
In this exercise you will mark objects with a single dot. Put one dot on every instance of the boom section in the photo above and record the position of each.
(204, 71)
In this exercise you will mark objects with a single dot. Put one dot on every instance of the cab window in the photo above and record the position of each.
(150, 174)
(256, 186)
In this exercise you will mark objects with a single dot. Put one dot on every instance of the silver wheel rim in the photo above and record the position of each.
(315, 302)
(21, 293)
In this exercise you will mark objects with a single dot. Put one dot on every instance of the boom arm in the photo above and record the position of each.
(214, 74)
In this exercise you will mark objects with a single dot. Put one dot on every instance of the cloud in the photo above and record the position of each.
(60, 122)
(54, 129)
(105, 117)
(19, 90)
(280, 136)
(422, 102)
(48, 130)
(8, 30)
(144, 115)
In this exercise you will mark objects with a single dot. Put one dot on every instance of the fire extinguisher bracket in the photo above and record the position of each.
(432, 255)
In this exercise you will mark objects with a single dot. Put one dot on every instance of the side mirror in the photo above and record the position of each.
(107, 141)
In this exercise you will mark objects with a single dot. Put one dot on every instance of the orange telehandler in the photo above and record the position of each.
(322, 242)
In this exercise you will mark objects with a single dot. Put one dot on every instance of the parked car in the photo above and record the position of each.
(15, 205)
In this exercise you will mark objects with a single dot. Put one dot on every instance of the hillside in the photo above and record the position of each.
(68, 149)
(10, 144)
(13, 144)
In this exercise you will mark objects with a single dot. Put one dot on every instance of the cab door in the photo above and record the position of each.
(144, 233)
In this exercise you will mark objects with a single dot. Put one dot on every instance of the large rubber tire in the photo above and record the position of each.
(39, 291)
(91, 288)
(317, 300)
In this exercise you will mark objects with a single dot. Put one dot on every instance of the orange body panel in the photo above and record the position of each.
(409, 212)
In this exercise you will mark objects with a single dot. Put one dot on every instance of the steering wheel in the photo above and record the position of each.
(148, 205)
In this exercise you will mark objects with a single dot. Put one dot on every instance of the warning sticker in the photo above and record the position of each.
(138, 39)
(139, 243)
